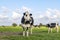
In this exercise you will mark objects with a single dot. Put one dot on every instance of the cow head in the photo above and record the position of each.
(27, 16)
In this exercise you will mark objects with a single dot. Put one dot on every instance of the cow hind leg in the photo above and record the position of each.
(31, 29)
(51, 30)
(57, 29)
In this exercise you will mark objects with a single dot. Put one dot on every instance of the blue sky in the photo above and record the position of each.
(11, 11)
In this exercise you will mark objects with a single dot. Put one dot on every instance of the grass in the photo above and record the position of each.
(38, 34)
(10, 29)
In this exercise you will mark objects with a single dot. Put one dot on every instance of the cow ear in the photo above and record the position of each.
(30, 14)
(24, 13)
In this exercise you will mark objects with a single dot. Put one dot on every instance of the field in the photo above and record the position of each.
(15, 33)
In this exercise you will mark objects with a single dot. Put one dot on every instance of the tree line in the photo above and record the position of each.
(15, 24)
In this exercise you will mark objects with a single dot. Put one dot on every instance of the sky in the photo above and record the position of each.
(43, 11)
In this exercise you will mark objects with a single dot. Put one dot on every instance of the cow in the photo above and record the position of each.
(52, 25)
(27, 22)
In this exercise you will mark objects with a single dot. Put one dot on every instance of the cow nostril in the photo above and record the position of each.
(26, 15)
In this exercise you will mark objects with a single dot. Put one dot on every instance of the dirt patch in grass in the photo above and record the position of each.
(10, 33)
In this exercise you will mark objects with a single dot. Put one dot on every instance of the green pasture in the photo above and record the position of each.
(39, 33)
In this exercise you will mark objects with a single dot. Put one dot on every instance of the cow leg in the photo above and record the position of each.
(27, 33)
(57, 29)
(23, 31)
(49, 29)
(31, 29)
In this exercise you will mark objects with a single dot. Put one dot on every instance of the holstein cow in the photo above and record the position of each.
(52, 25)
(26, 22)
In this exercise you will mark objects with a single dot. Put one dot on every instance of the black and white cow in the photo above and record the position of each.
(27, 22)
(52, 25)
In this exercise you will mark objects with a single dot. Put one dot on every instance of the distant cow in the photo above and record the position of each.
(27, 22)
(52, 25)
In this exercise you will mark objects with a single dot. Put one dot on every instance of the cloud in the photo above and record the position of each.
(15, 15)
(54, 16)
(4, 19)
(52, 13)
(57, 12)
(48, 12)
(41, 16)
(5, 9)
(25, 8)
(3, 16)
(8, 16)
(18, 10)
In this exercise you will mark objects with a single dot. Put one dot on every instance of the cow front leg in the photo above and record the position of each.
(49, 29)
(27, 32)
(23, 31)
